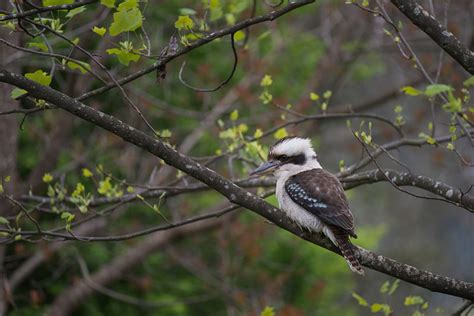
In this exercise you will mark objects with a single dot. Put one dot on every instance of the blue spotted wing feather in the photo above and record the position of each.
(321, 194)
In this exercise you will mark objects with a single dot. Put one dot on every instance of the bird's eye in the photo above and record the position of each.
(283, 157)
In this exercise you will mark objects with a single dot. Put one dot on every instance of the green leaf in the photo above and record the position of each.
(324, 106)
(216, 14)
(239, 36)
(254, 149)
(314, 96)
(108, 3)
(362, 301)
(258, 133)
(237, 7)
(123, 56)
(99, 30)
(4, 221)
(266, 97)
(105, 186)
(17, 92)
(430, 140)
(40, 77)
(184, 22)
(327, 94)
(230, 18)
(384, 287)
(126, 21)
(376, 307)
(366, 138)
(187, 11)
(40, 46)
(234, 116)
(75, 12)
(469, 82)
(86, 173)
(67, 216)
(411, 91)
(430, 126)
(80, 65)
(394, 287)
(47, 177)
(413, 300)
(342, 165)
(166, 133)
(454, 104)
(268, 311)
(78, 190)
(228, 133)
(434, 89)
(47, 3)
(242, 128)
(127, 5)
(279, 134)
(266, 81)
(214, 4)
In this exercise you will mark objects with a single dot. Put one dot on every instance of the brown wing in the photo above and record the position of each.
(321, 193)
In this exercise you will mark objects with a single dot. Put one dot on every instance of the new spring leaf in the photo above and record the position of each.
(184, 22)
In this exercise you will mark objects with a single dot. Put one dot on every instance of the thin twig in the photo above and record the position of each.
(372, 158)
(48, 54)
(234, 67)
(38, 10)
(109, 74)
(463, 308)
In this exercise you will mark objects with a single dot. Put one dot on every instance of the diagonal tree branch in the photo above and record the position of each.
(438, 33)
(45, 9)
(231, 191)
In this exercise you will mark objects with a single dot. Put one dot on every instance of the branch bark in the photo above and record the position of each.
(438, 33)
(45, 9)
(448, 192)
(231, 191)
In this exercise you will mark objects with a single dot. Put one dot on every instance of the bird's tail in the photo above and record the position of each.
(347, 251)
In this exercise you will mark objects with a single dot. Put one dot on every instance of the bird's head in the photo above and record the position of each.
(289, 155)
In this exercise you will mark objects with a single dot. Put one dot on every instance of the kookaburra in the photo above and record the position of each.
(311, 196)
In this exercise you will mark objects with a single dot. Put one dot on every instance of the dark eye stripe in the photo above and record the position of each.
(297, 160)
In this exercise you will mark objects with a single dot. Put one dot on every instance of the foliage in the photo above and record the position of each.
(284, 67)
(415, 305)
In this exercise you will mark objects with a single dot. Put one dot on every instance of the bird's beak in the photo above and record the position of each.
(266, 167)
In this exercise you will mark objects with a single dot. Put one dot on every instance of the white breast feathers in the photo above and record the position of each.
(298, 214)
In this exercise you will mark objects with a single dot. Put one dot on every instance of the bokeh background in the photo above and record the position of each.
(244, 265)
